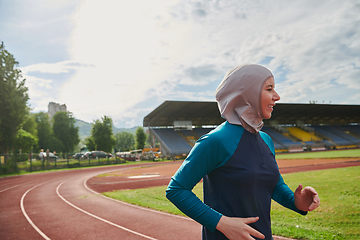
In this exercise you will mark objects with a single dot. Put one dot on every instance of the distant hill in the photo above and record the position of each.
(85, 129)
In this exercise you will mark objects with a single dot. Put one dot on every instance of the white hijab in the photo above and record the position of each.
(239, 96)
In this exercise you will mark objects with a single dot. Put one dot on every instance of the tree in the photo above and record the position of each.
(140, 138)
(90, 144)
(13, 100)
(45, 134)
(102, 134)
(46, 137)
(65, 131)
(30, 125)
(80, 146)
(25, 141)
(124, 141)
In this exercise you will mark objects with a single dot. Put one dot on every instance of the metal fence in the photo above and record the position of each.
(20, 163)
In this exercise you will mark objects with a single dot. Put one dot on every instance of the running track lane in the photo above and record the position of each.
(58, 205)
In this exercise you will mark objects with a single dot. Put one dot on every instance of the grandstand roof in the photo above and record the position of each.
(290, 113)
(207, 113)
(200, 113)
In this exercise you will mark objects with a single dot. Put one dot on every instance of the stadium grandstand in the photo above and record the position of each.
(176, 125)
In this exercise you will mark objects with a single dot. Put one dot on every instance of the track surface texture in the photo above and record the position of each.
(67, 204)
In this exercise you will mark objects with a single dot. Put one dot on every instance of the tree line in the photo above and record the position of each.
(25, 132)
(102, 137)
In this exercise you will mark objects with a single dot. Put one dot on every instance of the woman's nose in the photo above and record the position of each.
(276, 96)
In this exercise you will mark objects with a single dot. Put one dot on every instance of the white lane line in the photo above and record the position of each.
(135, 206)
(27, 217)
(9, 188)
(99, 218)
(29, 183)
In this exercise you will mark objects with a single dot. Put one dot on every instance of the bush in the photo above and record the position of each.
(9, 167)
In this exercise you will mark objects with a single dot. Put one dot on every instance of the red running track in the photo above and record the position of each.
(58, 205)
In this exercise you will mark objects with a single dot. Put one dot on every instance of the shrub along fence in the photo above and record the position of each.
(17, 163)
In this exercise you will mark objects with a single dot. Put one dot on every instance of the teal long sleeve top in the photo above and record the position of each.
(240, 177)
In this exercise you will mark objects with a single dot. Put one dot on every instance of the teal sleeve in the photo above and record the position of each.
(210, 152)
(192, 206)
(285, 196)
(282, 194)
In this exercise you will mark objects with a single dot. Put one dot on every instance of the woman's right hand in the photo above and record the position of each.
(237, 228)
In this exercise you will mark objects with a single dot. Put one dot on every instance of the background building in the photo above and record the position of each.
(54, 108)
(176, 125)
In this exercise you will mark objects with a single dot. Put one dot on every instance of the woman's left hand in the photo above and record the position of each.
(306, 199)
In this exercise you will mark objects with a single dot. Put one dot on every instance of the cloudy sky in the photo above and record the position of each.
(124, 58)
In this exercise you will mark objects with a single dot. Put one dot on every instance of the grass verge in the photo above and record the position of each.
(321, 154)
(336, 218)
(23, 172)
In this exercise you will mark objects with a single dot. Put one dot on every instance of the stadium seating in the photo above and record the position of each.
(302, 135)
(333, 135)
(172, 141)
(353, 129)
(201, 131)
(181, 141)
(280, 141)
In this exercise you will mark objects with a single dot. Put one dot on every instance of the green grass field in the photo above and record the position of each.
(321, 154)
(338, 216)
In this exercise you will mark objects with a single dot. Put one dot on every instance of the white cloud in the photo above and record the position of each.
(44, 90)
(140, 52)
(193, 96)
(350, 76)
(356, 97)
(39, 92)
(54, 68)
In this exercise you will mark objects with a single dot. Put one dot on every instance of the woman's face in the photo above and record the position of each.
(268, 98)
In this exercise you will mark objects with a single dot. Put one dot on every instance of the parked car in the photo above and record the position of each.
(86, 155)
(77, 155)
(97, 154)
(51, 156)
(126, 156)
